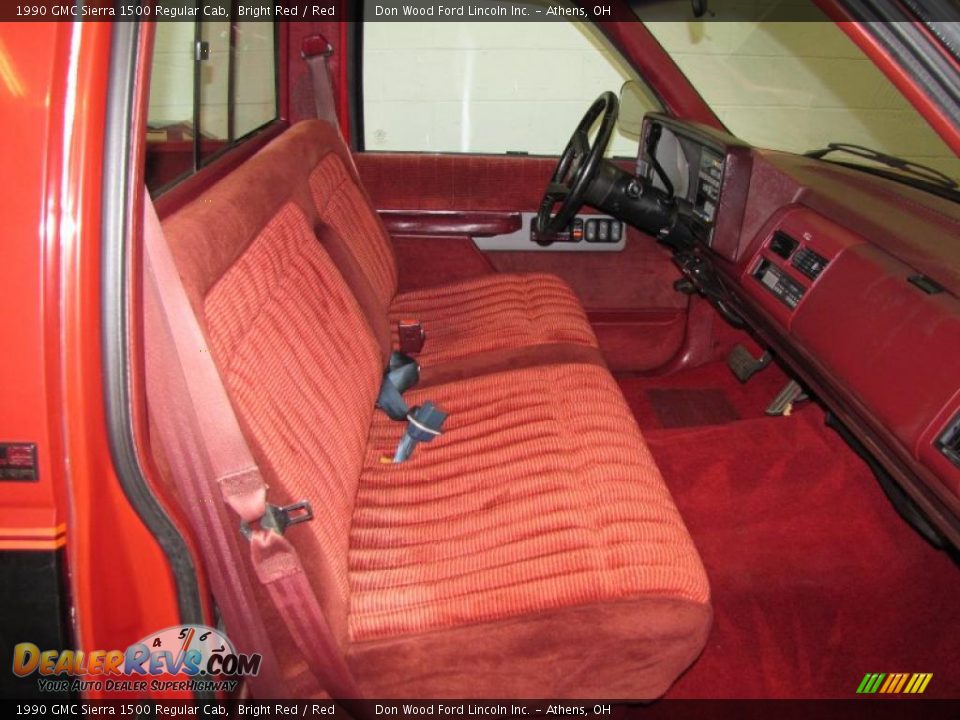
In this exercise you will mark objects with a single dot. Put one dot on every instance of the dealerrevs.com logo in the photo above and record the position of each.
(182, 657)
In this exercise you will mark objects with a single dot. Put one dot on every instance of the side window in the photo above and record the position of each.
(211, 84)
(485, 87)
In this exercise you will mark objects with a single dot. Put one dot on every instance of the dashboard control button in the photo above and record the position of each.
(590, 233)
(603, 230)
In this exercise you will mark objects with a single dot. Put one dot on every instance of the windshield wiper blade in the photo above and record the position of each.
(916, 169)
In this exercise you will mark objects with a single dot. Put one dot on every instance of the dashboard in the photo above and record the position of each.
(854, 282)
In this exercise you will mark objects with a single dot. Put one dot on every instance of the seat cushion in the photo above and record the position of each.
(537, 531)
(494, 312)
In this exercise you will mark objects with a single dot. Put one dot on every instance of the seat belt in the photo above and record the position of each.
(315, 50)
(424, 422)
(213, 469)
(402, 373)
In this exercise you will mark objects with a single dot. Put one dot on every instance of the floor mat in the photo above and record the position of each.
(691, 407)
(711, 382)
(815, 578)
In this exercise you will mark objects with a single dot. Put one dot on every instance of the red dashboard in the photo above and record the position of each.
(853, 280)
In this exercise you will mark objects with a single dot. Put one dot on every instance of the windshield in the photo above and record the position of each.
(794, 86)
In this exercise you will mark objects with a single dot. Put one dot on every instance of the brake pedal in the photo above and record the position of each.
(744, 365)
(785, 400)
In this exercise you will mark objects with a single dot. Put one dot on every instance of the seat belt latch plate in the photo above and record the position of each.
(412, 336)
(278, 518)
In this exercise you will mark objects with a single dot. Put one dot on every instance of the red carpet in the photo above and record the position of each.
(816, 580)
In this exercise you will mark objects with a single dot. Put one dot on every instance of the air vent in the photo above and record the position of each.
(930, 287)
(783, 245)
(949, 441)
(809, 263)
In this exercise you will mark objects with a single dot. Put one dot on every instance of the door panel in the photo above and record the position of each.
(420, 181)
(448, 199)
(638, 278)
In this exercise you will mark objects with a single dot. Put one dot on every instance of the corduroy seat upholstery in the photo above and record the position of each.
(533, 550)
(473, 318)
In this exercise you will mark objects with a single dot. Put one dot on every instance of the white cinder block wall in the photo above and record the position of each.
(484, 87)
(171, 76)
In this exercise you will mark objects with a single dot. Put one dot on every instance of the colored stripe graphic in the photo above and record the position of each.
(870, 683)
(37, 538)
(894, 683)
(901, 682)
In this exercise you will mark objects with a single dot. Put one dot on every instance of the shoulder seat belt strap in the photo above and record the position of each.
(315, 50)
(213, 469)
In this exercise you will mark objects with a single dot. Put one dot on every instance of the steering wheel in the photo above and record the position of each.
(577, 167)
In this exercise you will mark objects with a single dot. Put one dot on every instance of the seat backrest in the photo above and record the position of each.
(296, 353)
(308, 165)
(342, 204)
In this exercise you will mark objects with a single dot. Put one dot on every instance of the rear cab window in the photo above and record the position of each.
(212, 84)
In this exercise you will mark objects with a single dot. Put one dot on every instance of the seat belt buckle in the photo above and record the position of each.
(278, 518)
(412, 336)
(424, 424)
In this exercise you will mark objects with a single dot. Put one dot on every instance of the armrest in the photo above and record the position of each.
(450, 222)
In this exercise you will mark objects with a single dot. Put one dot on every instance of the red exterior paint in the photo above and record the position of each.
(29, 376)
(53, 394)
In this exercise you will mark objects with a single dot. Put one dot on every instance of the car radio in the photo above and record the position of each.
(785, 289)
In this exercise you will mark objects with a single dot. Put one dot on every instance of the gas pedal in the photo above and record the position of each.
(744, 365)
(783, 403)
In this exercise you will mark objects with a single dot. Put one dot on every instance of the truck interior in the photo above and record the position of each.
(651, 407)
